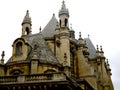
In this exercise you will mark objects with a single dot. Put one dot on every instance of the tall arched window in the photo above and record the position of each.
(66, 21)
(60, 23)
(19, 49)
(27, 30)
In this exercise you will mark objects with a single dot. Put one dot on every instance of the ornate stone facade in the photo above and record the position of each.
(54, 59)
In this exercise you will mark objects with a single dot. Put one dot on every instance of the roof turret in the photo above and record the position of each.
(63, 10)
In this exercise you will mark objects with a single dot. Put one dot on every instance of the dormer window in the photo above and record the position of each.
(19, 49)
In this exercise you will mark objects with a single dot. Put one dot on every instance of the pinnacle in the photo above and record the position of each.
(27, 19)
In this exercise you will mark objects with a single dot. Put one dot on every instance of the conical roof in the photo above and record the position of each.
(27, 18)
(49, 29)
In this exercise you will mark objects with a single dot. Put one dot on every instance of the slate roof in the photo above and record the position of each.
(49, 29)
(91, 48)
(44, 53)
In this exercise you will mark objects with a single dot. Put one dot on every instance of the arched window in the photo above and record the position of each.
(66, 21)
(19, 49)
(27, 30)
(60, 23)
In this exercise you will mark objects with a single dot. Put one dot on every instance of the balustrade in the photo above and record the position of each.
(32, 77)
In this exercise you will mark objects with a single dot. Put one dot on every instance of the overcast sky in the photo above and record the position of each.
(98, 18)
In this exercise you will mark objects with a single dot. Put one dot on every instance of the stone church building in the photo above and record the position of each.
(53, 59)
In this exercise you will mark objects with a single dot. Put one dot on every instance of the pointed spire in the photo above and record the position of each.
(27, 19)
(63, 10)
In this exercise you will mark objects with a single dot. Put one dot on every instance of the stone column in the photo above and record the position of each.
(45, 87)
(40, 88)
(13, 88)
(34, 87)
(29, 88)
(19, 88)
(23, 88)
(8, 88)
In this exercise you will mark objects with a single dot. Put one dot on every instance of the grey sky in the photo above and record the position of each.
(98, 18)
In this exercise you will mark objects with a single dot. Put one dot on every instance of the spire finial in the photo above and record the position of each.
(101, 48)
(27, 11)
(63, 5)
(40, 29)
(80, 35)
(97, 48)
(3, 54)
(63, 10)
(71, 26)
(63, 2)
(107, 61)
(27, 14)
(57, 24)
(53, 14)
(88, 36)
(85, 42)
